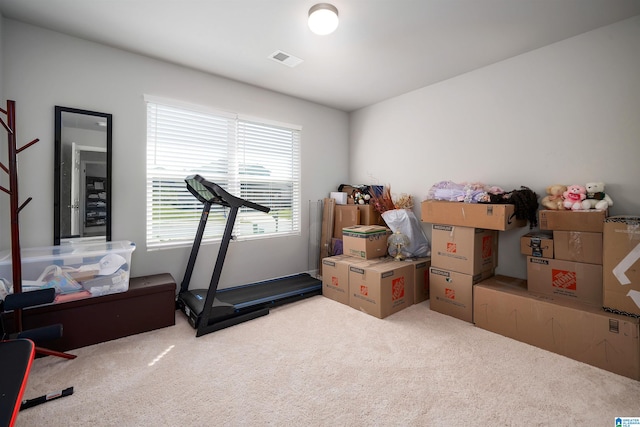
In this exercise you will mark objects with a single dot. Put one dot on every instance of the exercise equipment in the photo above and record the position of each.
(209, 310)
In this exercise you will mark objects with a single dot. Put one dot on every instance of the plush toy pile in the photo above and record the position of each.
(577, 197)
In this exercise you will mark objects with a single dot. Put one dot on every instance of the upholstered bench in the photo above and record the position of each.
(148, 304)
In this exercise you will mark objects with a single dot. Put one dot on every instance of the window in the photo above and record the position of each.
(253, 159)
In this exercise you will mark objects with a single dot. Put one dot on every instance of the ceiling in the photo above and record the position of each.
(381, 49)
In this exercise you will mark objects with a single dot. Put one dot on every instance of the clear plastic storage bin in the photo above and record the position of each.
(76, 270)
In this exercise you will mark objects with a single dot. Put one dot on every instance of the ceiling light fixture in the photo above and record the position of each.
(323, 19)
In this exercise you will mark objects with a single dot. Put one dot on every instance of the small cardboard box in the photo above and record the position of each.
(578, 246)
(474, 215)
(345, 216)
(463, 249)
(369, 215)
(621, 264)
(581, 332)
(420, 278)
(335, 277)
(381, 288)
(451, 293)
(365, 241)
(588, 220)
(565, 279)
(537, 243)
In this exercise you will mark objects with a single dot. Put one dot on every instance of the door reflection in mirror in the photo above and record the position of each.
(82, 181)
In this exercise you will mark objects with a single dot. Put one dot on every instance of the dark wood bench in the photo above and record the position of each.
(148, 304)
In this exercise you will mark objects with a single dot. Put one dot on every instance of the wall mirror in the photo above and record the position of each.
(82, 181)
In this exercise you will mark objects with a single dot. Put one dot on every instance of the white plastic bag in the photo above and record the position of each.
(405, 222)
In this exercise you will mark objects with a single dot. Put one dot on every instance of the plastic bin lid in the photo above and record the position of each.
(67, 250)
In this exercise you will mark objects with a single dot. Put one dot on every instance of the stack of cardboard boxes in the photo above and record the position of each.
(560, 306)
(365, 278)
(464, 250)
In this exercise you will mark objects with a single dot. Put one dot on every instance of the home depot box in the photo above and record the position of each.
(381, 288)
(464, 249)
(369, 215)
(588, 220)
(451, 293)
(621, 264)
(365, 241)
(537, 243)
(565, 279)
(420, 278)
(344, 216)
(475, 215)
(335, 277)
(578, 246)
(582, 332)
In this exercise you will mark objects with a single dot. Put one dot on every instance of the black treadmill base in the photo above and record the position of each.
(242, 303)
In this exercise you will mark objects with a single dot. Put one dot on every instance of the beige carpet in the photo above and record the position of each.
(320, 363)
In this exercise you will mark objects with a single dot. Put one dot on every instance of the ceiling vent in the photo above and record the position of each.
(285, 58)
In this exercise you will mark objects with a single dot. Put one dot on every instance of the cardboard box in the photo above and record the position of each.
(344, 216)
(589, 220)
(537, 243)
(578, 246)
(451, 293)
(420, 278)
(369, 216)
(381, 288)
(621, 264)
(463, 249)
(335, 277)
(579, 331)
(474, 215)
(365, 241)
(565, 279)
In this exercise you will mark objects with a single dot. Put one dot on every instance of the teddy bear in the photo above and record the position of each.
(574, 197)
(553, 199)
(596, 197)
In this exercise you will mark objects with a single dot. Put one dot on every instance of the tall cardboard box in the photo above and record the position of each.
(345, 216)
(565, 279)
(365, 241)
(474, 215)
(369, 215)
(578, 246)
(451, 293)
(381, 288)
(463, 249)
(621, 264)
(582, 332)
(335, 277)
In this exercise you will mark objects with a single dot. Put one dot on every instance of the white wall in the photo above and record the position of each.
(567, 113)
(43, 69)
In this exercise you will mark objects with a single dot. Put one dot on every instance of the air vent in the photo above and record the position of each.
(285, 58)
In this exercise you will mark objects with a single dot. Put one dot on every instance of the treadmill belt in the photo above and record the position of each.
(269, 290)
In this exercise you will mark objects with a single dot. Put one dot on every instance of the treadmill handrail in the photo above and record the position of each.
(221, 196)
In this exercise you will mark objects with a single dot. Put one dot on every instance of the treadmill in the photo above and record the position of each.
(209, 310)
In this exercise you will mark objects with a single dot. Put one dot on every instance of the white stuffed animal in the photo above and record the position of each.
(596, 196)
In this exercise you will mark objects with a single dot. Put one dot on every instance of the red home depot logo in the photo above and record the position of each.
(397, 289)
(364, 290)
(564, 279)
(334, 280)
(486, 246)
(449, 293)
(452, 248)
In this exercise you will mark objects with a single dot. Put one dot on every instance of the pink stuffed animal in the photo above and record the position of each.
(574, 198)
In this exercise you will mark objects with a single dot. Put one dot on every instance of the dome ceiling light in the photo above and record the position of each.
(323, 19)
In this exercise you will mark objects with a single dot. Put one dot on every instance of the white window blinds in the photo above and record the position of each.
(253, 159)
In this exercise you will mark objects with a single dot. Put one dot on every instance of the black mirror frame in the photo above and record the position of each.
(58, 163)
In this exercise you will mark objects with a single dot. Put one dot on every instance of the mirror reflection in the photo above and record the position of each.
(82, 175)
